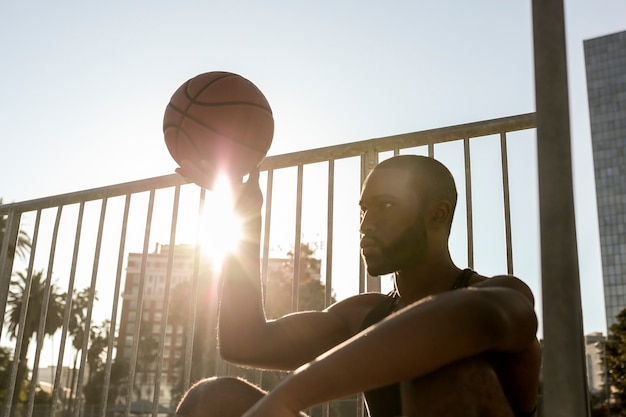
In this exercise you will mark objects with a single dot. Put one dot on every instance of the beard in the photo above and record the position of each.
(407, 249)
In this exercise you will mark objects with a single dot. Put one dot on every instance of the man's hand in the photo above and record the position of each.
(248, 198)
(248, 201)
(203, 175)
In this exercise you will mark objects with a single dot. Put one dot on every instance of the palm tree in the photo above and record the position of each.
(21, 246)
(99, 338)
(36, 302)
(76, 329)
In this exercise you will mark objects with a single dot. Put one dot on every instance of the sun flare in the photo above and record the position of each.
(223, 227)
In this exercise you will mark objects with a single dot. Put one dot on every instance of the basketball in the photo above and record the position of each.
(221, 118)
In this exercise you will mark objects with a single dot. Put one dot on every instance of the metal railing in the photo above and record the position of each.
(83, 241)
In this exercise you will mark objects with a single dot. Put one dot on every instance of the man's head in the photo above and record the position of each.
(219, 397)
(407, 205)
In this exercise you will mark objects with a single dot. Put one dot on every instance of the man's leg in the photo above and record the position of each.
(219, 397)
(468, 388)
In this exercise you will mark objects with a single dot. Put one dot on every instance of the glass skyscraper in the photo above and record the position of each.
(605, 61)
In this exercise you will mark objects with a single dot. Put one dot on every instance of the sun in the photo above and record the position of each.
(222, 227)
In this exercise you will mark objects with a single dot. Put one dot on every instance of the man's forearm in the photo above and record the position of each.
(410, 344)
(241, 304)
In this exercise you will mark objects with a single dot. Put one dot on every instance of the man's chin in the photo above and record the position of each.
(377, 270)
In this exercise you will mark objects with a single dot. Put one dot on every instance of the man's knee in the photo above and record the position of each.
(219, 397)
(469, 387)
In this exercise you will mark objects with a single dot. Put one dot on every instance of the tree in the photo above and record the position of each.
(76, 329)
(279, 288)
(5, 370)
(98, 342)
(94, 387)
(23, 243)
(615, 351)
(35, 300)
(146, 357)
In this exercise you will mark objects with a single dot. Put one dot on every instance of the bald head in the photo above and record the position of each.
(219, 397)
(431, 179)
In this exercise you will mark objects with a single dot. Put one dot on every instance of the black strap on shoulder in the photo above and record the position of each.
(462, 280)
(381, 311)
(387, 306)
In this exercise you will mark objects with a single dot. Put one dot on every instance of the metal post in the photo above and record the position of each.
(8, 250)
(565, 383)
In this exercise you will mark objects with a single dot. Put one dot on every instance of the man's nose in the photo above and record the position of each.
(366, 224)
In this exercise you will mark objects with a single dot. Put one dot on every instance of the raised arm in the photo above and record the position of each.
(414, 342)
(245, 336)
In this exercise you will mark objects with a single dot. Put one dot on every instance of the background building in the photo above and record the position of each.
(152, 317)
(605, 59)
(594, 355)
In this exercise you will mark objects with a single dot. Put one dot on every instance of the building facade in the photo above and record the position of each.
(605, 61)
(594, 355)
(150, 315)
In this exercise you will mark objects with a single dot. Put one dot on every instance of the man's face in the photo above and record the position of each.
(393, 232)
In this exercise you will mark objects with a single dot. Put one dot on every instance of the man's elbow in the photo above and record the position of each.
(515, 323)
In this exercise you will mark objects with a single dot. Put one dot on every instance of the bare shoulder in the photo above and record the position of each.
(503, 281)
(354, 309)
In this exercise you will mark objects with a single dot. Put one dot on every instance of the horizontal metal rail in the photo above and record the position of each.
(310, 156)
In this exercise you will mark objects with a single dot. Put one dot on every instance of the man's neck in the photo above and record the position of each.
(426, 278)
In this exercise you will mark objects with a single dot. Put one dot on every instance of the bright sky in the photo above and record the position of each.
(84, 85)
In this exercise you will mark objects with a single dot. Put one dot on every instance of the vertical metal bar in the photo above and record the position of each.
(116, 295)
(266, 234)
(329, 250)
(68, 300)
(565, 388)
(362, 271)
(468, 203)
(265, 251)
(330, 212)
(507, 203)
(193, 305)
(166, 302)
(431, 149)
(193, 313)
(295, 295)
(139, 305)
(367, 282)
(29, 274)
(6, 258)
(90, 301)
(22, 321)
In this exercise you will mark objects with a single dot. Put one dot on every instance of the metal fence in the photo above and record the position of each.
(104, 261)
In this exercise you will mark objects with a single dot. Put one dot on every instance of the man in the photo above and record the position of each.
(447, 342)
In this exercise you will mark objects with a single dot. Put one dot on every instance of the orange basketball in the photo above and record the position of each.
(221, 118)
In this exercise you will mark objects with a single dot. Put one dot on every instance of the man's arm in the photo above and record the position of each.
(412, 343)
(245, 336)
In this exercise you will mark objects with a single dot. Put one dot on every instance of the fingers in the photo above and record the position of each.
(253, 176)
(202, 175)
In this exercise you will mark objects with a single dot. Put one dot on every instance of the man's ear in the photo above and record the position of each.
(440, 213)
